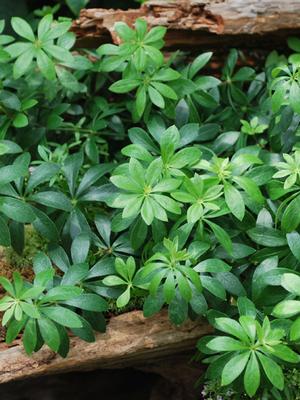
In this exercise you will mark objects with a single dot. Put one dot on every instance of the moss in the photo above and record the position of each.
(213, 390)
(293, 382)
(33, 243)
(136, 303)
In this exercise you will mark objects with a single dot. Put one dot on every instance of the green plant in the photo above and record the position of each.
(41, 47)
(126, 279)
(153, 184)
(290, 308)
(250, 348)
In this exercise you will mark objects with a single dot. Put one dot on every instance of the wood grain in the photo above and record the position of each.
(130, 340)
(200, 23)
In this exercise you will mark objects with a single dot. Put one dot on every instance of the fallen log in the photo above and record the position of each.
(130, 340)
(199, 23)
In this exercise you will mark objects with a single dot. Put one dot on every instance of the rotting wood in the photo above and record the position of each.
(130, 340)
(199, 23)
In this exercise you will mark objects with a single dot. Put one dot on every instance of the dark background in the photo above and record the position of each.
(9, 8)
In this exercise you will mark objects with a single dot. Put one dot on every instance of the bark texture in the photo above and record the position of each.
(130, 340)
(198, 23)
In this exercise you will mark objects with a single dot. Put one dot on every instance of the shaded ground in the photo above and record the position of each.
(125, 384)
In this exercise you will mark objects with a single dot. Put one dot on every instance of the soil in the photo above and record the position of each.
(7, 270)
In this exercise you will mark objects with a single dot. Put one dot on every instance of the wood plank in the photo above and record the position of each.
(200, 23)
(130, 340)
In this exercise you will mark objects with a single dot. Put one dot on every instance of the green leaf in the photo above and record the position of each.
(293, 239)
(199, 63)
(231, 283)
(5, 239)
(287, 308)
(152, 305)
(42, 173)
(140, 59)
(251, 188)
(75, 274)
(272, 370)
(124, 31)
(62, 316)
(125, 85)
(165, 90)
(156, 98)
(86, 332)
(21, 66)
(225, 343)
(167, 203)
(64, 341)
(8, 315)
(71, 169)
(221, 235)
(18, 315)
(212, 265)
(155, 34)
(6, 284)
(45, 65)
(52, 199)
(295, 330)
(80, 248)
(285, 353)
(213, 286)
(49, 333)
(44, 26)
(178, 310)
(291, 216)
(45, 226)
(58, 29)
(62, 293)
(103, 267)
(234, 201)
(294, 43)
(30, 336)
(114, 280)
(267, 236)
(294, 96)
(16, 209)
(252, 376)
(165, 75)
(141, 100)
(169, 288)
(20, 120)
(13, 330)
(62, 55)
(10, 173)
(89, 302)
(291, 282)
(246, 307)
(66, 78)
(124, 298)
(147, 212)
(22, 28)
(231, 327)
(234, 368)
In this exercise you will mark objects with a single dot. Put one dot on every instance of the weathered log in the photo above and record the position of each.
(199, 23)
(130, 340)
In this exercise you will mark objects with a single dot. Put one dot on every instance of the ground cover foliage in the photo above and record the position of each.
(158, 184)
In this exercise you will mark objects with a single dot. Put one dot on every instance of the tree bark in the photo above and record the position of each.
(199, 23)
(130, 340)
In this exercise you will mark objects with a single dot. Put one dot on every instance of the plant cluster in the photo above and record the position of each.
(152, 181)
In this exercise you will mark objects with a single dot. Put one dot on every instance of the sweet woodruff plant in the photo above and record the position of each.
(154, 184)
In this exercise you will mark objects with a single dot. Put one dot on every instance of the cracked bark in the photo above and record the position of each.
(130, 340)
(199, 23)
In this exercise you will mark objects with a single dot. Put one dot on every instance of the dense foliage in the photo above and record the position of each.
(153, 183)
